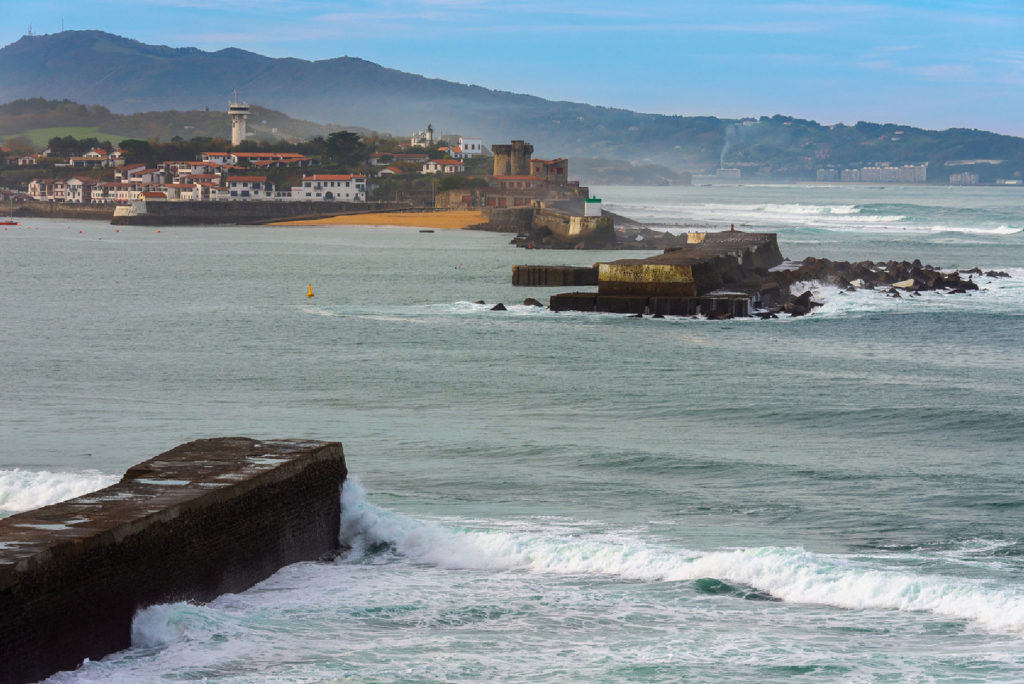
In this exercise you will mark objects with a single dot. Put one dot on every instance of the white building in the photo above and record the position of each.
(423, 138)
(471, 147)
(249, 188)
(79, 190)
(443, 166)
(331, 187)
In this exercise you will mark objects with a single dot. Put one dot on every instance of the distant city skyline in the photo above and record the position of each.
(931, 64)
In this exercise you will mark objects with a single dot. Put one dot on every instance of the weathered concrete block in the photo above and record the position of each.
(208, 517)
(623, 305)
(674, 306)
(574, 301)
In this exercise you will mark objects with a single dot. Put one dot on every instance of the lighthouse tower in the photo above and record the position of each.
(238, 111)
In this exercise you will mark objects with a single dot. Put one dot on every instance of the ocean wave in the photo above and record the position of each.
(791, 574)
(998, 230)
(23, 490)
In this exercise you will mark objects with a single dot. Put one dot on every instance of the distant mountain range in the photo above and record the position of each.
(127, 76)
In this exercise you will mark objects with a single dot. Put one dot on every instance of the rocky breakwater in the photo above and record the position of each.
(893, 278)
(206, 518)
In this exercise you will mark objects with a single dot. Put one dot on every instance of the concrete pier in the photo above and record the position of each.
(554, 276)
(722, 274)
(206, 518)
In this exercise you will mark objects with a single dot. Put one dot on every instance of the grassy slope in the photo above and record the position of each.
(41, 136)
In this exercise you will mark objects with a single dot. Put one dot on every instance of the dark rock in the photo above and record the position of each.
(530, 301)
(499, 307)
(479, 301)
(658, 315)
(997, 274)
(635, 316)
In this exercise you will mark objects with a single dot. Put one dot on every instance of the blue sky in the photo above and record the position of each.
(934, 64)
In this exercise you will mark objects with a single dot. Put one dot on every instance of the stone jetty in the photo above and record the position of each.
(733, 274)
(726, 273)
(206, 518)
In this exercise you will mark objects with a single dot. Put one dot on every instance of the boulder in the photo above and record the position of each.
(499, 307)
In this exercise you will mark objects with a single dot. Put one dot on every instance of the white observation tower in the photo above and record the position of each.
(238, 111)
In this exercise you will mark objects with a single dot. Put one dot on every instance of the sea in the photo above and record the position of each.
(557, 497)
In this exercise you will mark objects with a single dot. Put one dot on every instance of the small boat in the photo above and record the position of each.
(10, 219)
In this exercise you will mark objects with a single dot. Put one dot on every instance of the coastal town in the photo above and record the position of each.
(100, 176)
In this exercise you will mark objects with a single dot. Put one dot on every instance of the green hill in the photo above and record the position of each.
(40, 120)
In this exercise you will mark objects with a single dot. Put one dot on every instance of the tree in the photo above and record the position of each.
(344, 148)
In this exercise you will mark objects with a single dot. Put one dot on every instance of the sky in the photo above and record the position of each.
(927, 63)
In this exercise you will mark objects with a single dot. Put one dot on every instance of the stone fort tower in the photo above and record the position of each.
(512, 159)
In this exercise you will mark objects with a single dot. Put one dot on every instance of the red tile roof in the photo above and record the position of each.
(333, 177)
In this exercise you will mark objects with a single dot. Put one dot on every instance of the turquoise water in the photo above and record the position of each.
(557, 497)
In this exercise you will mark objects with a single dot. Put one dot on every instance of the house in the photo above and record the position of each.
(471, 147)
(249, 188)
(79, 190)
(41, 189)
(218, 157)
(105, 193)
(389, 171)
(26, 160)
(121, 175)
(331, 187)
(443, 166)
(410, 158)
(144, 175)
(87, 162)
(258, 159)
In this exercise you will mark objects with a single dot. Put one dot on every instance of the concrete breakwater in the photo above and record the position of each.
(64, 210)
(206, 518)
(732, 274)
(244, 213)
(548, 276)
(722, 274)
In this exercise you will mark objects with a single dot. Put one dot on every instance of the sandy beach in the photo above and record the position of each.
(447, 220)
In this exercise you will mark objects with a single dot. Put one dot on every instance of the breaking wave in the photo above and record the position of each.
(790, 574)
(23, 490)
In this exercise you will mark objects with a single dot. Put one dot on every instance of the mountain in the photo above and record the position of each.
(129, 76)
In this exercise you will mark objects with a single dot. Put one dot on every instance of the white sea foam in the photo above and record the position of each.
(158, 625)
(970, 230)
(791, 574)
(22, 490)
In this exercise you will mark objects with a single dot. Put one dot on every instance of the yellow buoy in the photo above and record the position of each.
(309, 292)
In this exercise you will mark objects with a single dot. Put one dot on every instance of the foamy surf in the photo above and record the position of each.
(791, 574)
(23, 490)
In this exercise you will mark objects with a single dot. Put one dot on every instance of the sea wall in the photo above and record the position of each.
(246, 213)
(206, 518)
(64, 210)
(532, 275)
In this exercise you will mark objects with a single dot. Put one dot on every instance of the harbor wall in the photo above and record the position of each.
(246, 213)
(206, 518)
(64, 210)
